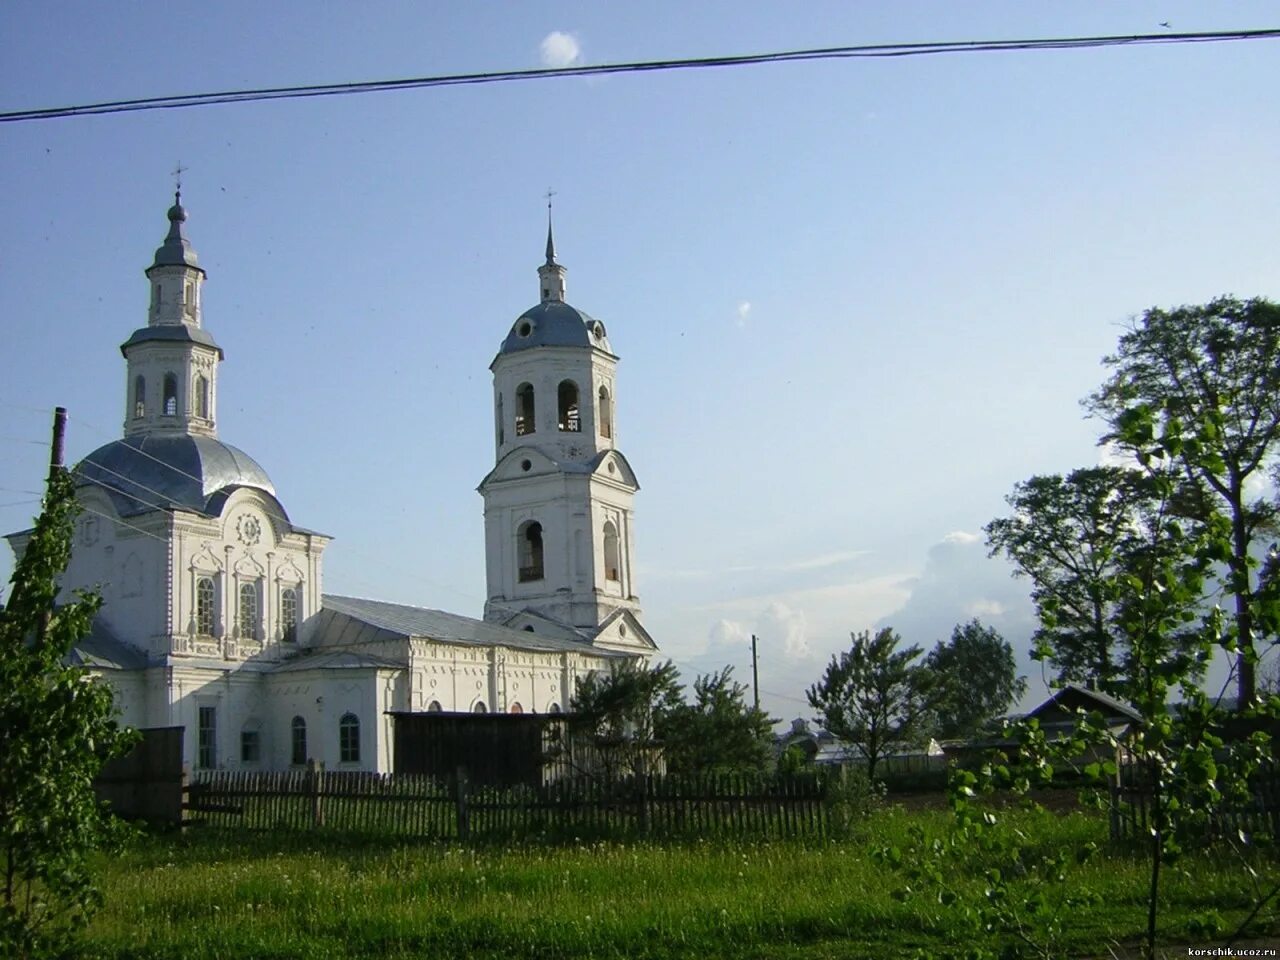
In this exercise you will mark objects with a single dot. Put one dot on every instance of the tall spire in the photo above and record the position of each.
(551, 244)
(551, 274)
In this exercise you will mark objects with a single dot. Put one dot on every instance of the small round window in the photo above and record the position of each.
(597, 331)
(622, 629)
(612, 469)
(526, 465)
(524, 329)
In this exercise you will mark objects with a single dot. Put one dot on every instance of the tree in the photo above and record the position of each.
(717, 732)
(1072, 537)
(874, 696)
(619, 713)
(977, 679)
(1207, 378)
(57, 727)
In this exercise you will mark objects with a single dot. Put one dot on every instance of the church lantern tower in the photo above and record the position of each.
(171, 384)
(558, 504)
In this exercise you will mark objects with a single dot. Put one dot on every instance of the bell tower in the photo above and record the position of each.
(171, 387)
(558, 504)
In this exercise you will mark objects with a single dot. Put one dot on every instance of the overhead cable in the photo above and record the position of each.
(882, 50)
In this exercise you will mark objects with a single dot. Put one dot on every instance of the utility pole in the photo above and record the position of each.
(755, 673)
(59, 436)
(55, 466)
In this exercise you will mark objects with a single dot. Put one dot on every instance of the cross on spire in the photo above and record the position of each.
(178, 171)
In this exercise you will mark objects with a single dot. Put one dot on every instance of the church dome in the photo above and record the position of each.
(553, 323)
(142, 473)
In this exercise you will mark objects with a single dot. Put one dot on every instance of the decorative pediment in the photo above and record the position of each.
(612, 465)
(248, 567)
(206, 560)
(288, 572)
(520, 463)
(622, 630)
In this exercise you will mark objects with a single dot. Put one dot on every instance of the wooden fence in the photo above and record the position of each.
(1131, 808)
(421, 806)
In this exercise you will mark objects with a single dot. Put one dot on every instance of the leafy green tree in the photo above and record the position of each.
(1072, 537)
(1206, 380)
(1192, 761)
(718, 732)
(57, 727)
(977, 679)
(618, 713)
(875, 697)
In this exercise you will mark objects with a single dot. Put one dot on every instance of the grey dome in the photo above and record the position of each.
(152, 472)
(176, 250)
(553, 323)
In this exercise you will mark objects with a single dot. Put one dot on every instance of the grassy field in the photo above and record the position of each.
(216, 895)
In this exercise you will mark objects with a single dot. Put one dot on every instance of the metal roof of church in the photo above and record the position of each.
(554, 323)
(144, 473)
(406, 621)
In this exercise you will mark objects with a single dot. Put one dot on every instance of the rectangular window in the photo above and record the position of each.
(250, 746)
(207, 738)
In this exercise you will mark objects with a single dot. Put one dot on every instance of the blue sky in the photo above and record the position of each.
(855, 301)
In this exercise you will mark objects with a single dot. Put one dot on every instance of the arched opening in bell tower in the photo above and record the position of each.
(170, 395)
(606, 414)
(139, 396)
(524, 410)
(529, 545)
(611, 564)
(568, 396)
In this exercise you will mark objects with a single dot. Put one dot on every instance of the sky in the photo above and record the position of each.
(855, 301)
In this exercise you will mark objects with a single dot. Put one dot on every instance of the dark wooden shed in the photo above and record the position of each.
(495, 749)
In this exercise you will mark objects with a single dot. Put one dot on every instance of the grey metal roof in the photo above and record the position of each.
(176, 250)
(171, 333)
(103, 649)
(153, 472)
(377, 619)
(554, 323)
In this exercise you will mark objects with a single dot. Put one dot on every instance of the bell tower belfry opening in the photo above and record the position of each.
(558, 504)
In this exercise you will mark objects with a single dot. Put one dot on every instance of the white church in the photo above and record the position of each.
(215, 617)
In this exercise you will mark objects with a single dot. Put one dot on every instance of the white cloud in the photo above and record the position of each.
(961, 536)
(560, 49)
(986, 608)
(780, 621)
(743, 311)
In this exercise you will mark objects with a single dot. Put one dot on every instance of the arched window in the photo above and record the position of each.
(289, 615)
(434, 707)
(139, 396)
(528, 628)
(204, 606)
(529, 546)
(349, 739)
(568, 396)
(516, 708)
(170, 395)
(525, 422)
(606, 414)
(248, 610)
(554, 708)
(200, 389)
(502, 423)
(298, 740)
(611, 571)
(479, 707)
(155, 296)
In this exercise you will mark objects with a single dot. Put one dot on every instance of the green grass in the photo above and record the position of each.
(217, 895)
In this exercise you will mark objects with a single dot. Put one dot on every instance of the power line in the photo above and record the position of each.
(885, 50)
